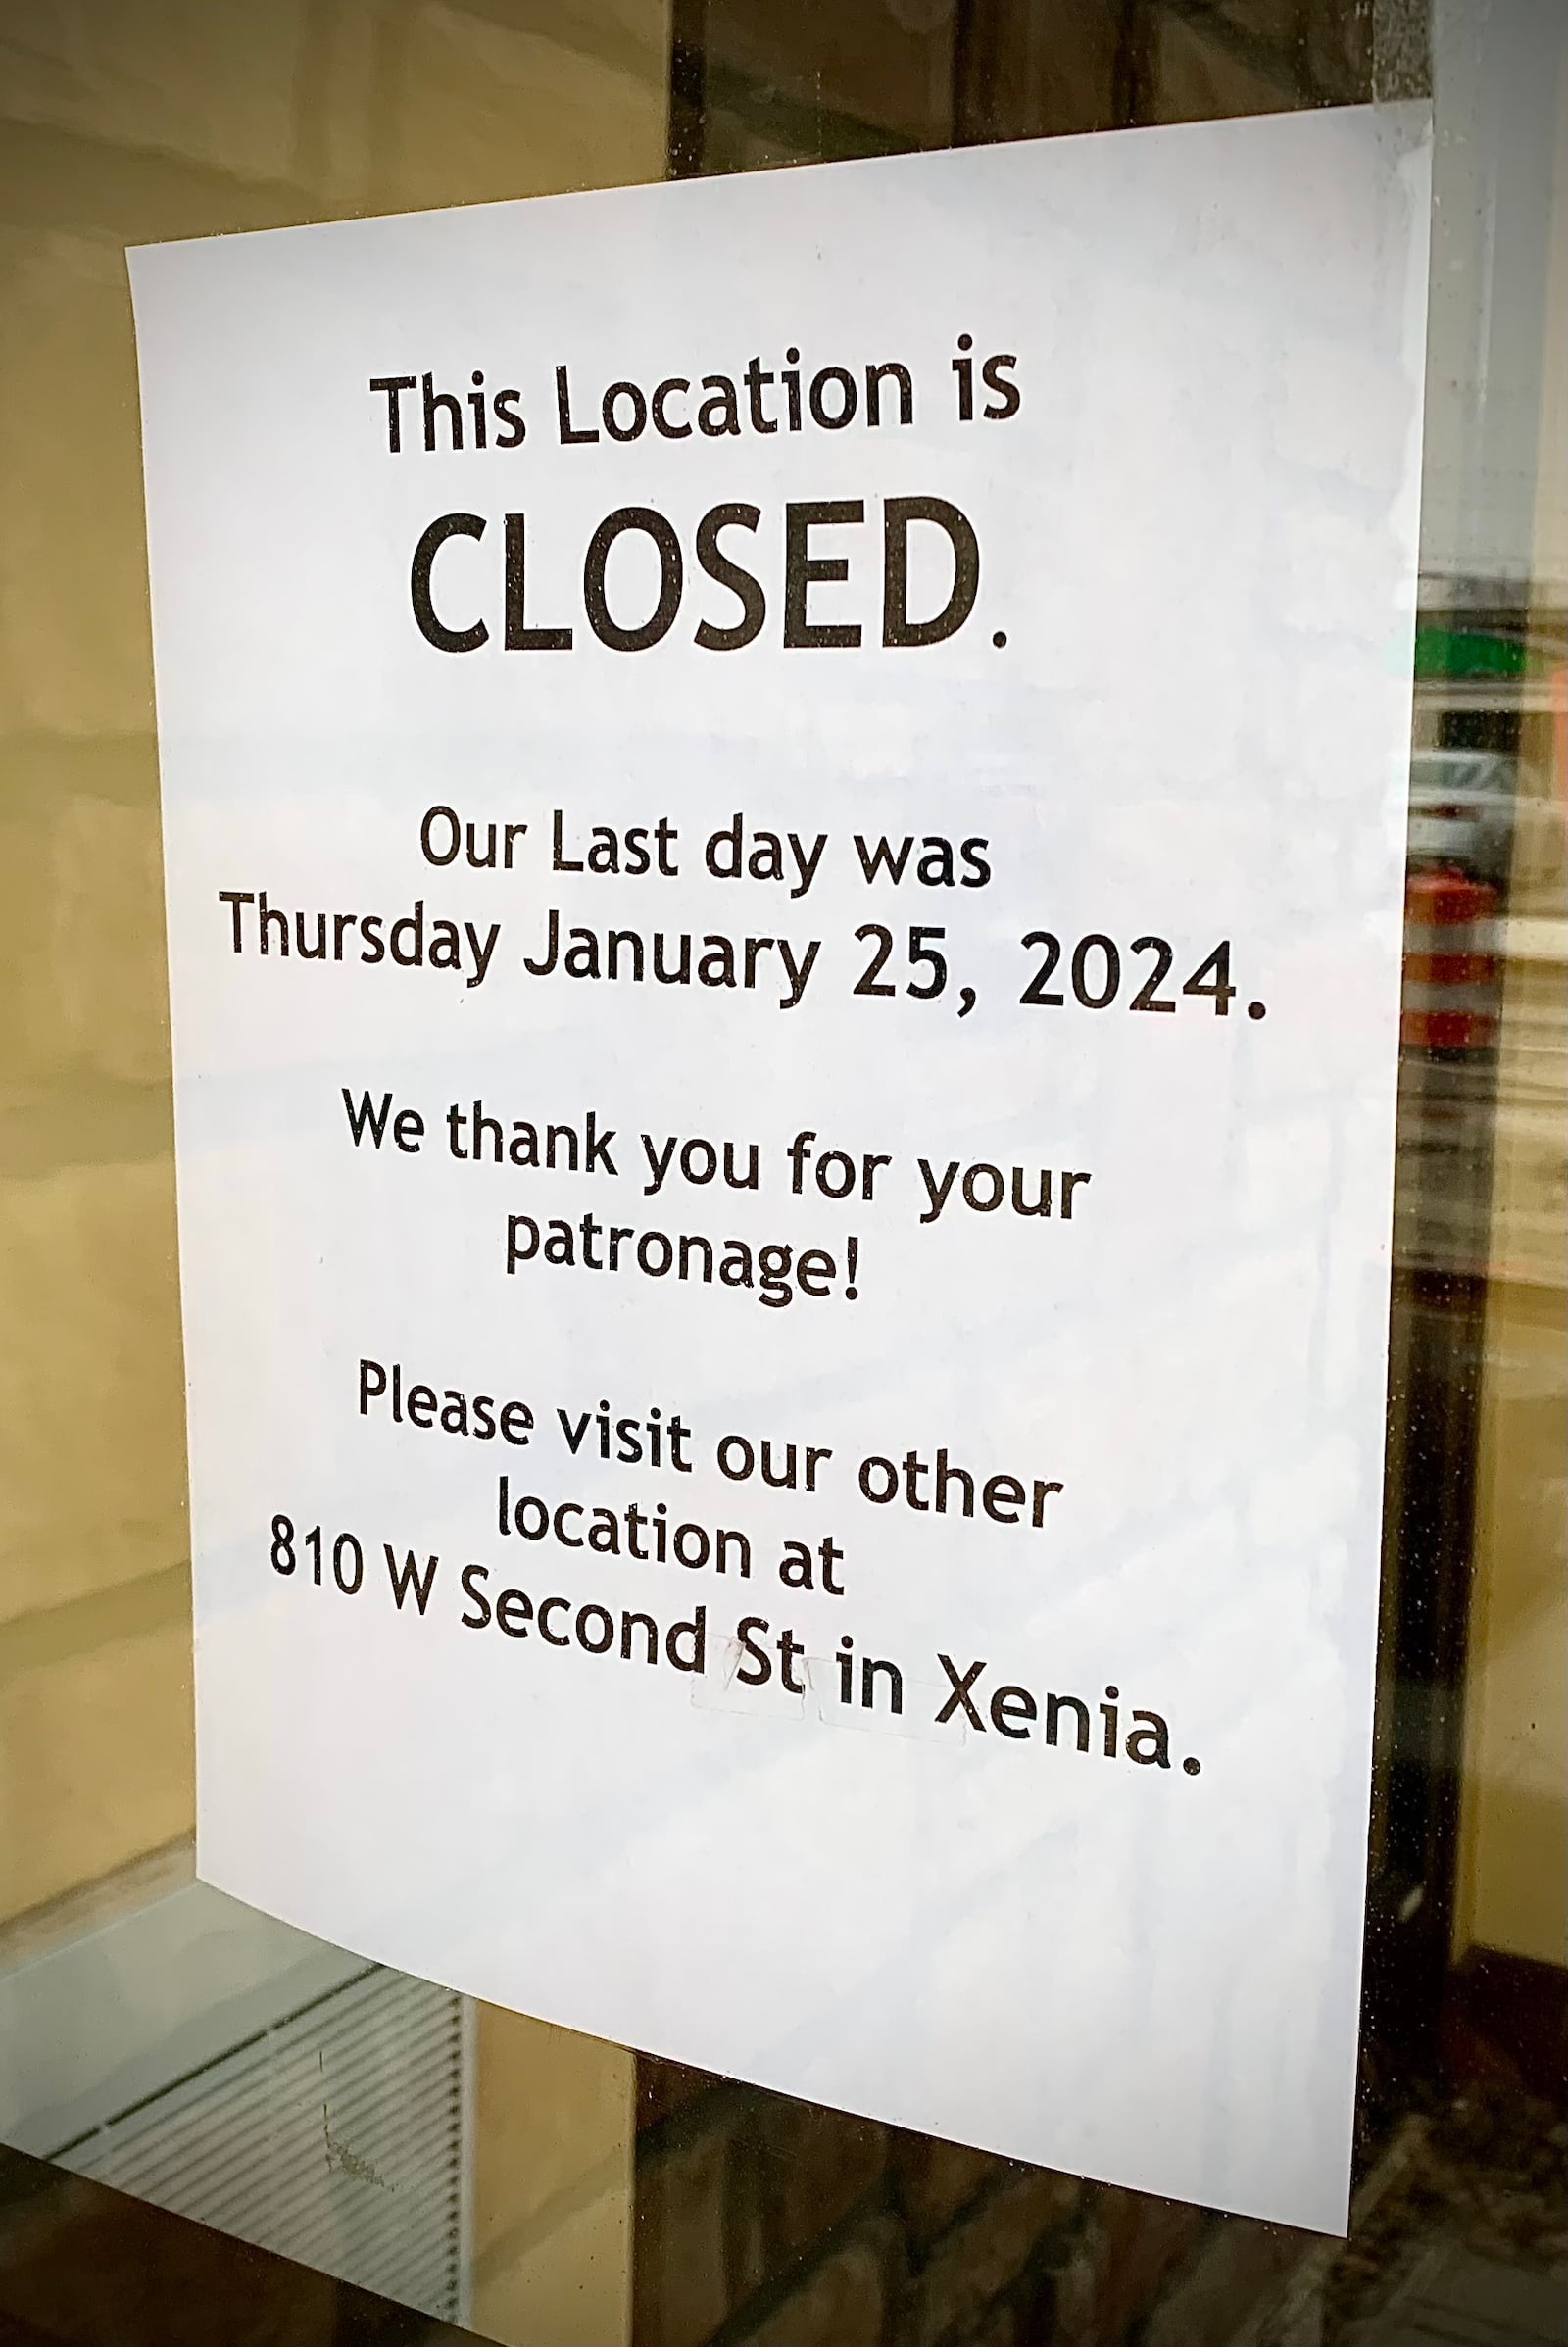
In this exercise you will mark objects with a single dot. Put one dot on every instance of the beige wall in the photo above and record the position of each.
(1514, 1887)
(121, 122)
(551, 2185)
(1513, 1880)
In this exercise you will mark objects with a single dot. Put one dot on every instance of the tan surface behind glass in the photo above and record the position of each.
(124, 121)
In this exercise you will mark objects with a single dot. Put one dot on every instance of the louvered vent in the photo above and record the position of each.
(336, 2135)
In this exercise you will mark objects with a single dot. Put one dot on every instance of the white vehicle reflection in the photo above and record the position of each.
(1462, 813)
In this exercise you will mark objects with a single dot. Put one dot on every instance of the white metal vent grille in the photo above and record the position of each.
(336, 2136)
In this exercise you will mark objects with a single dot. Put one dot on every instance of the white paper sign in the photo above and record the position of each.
(784, 809)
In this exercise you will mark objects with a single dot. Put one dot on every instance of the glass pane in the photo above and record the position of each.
(153, 2034)
(1458, 2219)
(472, 2165)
